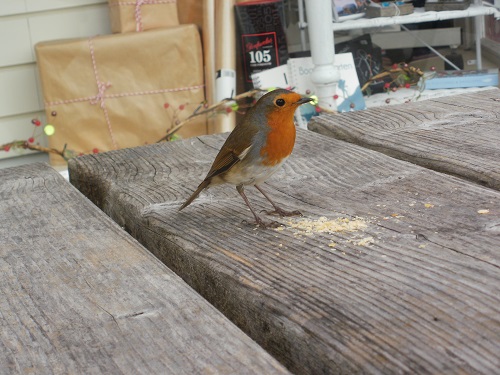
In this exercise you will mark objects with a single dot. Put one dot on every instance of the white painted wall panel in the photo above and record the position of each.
(76, 23)
(15, 42)
(40, 5)
(11, 7)
(18, 90)
(8, 7)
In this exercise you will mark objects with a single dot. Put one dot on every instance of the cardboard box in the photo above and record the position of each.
(141, 15)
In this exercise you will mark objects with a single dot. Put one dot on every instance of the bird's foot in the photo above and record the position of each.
(262, 224)
(283, 213)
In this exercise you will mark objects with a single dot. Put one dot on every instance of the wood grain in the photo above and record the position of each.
(459, 135)
(80, 296)
(423, 298)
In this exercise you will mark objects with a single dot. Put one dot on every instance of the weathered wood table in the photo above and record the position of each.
(459, 135)
(80, 296)
(394, 268)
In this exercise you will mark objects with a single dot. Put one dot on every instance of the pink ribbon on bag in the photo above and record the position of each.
(101, 88)
(138, 4)
(101, 96)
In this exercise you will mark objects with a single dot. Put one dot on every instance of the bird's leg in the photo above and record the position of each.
(277, 209)
(258, 220)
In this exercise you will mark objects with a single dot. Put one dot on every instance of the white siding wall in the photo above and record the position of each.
(23, 23)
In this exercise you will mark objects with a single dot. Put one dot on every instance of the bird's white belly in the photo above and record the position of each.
(251, 174)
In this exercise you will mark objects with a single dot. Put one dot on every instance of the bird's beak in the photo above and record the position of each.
(304, 100)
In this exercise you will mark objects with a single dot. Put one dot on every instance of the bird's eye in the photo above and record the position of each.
(280, 102)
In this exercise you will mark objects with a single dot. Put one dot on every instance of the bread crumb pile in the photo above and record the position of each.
(309, 227)
(325, 225)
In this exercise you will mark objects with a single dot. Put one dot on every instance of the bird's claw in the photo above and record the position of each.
(283, 213)
(272, 224)
(264, 225)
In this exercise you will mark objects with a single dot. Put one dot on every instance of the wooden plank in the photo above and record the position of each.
(80, 296)
(423, 295)
(459, 135)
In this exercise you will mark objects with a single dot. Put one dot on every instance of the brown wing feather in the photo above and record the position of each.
(236, 147)
(222, 163)
(193, 196)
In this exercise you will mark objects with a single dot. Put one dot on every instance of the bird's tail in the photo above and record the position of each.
(202, 186)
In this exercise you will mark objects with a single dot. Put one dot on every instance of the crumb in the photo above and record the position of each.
(324, 225)
(365, 241)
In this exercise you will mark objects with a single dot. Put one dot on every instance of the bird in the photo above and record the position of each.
(256, 149)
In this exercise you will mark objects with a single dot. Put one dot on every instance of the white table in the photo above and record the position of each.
(419, 15)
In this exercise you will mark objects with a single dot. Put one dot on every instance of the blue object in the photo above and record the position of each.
(451, 79)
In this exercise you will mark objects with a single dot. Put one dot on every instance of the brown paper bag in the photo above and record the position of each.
(121, 90)
(140, 15)
(191, 11)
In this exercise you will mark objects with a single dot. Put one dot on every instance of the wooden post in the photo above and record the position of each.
(209, 57)
(225, 60)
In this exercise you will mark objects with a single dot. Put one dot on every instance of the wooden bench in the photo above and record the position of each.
(459, 135)
(394, 268)
(80, 296)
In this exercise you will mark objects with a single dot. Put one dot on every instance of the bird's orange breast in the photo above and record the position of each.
(281, 136)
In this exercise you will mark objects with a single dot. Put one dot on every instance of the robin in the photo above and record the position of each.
(256, 148)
